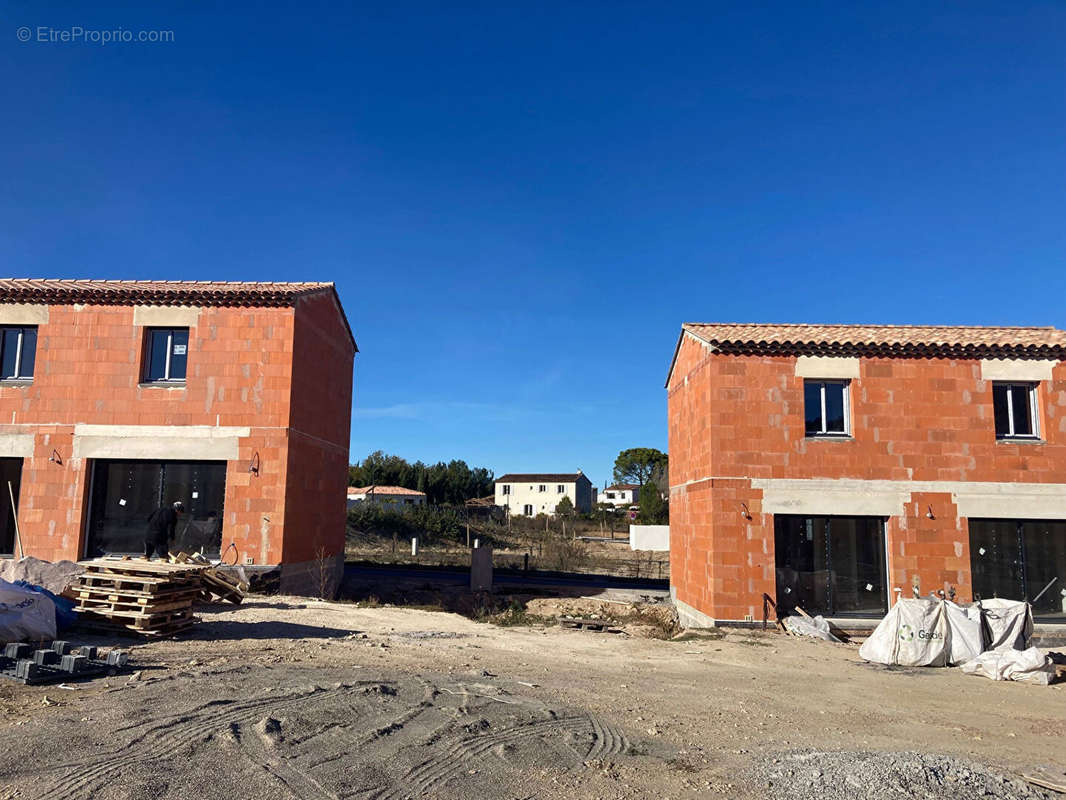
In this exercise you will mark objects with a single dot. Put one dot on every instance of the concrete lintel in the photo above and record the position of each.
(163, 431)
(1017, 369)
(1017, 506)
(827, 367)
(157, 449)
(166, 316)
(23, 314)
(16, 445)
(860, 504)
(163, 442)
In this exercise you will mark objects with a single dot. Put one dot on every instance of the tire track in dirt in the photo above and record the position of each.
(172, 737)
(439, 768)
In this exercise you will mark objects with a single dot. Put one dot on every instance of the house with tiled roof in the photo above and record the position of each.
(118, 397)
(385, 495)
(531, 493)
(835, 467)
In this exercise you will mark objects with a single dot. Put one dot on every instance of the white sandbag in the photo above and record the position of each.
(816, 627)
(25, 615)
(965, 637)
(1027, 666)
(1008, 624)
(914, 633)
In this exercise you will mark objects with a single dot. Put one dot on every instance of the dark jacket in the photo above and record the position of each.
(161, 524)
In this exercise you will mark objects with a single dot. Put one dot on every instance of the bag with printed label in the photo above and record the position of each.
(25, 615)
(914, 633)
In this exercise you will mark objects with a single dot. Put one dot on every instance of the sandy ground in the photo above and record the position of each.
(286, 697)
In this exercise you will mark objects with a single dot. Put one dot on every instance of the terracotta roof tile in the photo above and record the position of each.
(200, 293)
(944, 341)
(352, 490)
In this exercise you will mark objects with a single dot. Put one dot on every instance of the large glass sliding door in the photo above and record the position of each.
(125, 493)
(831, 565)
(10, 470)
(1020, 560)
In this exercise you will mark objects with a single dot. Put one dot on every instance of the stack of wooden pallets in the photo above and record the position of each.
(150, 598)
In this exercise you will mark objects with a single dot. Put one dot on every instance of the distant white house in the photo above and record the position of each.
(529, 494)
(621, 495)
(385, 495)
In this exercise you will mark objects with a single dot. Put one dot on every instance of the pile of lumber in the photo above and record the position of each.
(149, 598)
(216, 583)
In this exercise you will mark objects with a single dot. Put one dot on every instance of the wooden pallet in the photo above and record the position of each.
(147, 598)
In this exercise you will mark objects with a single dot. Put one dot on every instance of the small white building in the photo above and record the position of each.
(621, 495)
(529, 494)
(385, 495)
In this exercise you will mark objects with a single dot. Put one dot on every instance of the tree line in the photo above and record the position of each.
(451, 483)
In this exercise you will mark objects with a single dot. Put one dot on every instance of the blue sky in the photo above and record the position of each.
(521, 205)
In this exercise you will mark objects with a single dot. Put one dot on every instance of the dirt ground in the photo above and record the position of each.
(284, 697)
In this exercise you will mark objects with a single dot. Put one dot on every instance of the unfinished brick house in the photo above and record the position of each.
(828, 466)
(119, 396)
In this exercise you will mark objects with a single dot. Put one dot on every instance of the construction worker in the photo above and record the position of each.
(160, 533)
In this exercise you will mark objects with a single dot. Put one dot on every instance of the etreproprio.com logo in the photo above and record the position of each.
(78, 34)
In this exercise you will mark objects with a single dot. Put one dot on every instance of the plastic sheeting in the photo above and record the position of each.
(914, 633)
(1008, 624)
(25, 615)
(816, 627)
(1027, 666)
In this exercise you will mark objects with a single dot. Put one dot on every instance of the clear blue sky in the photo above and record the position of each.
(520, 206)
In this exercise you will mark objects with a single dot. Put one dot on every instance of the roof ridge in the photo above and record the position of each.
(871, 325)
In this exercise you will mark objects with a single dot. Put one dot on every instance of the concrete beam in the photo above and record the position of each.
(23, 314)
(827, 367)
(1006, 369)
(16, 445)
(166, 316)
(162, 442)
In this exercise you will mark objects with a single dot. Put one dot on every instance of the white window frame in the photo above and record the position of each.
(506, 488)
(1034, 417)
(18, 376)
(822, 383)
(560, 488)
(541, 488)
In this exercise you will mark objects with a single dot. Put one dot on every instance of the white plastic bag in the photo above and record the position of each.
(25, 615)
(1008, 624)
(965, 638)
(816, 627)
(1028, 666)
(914, 633)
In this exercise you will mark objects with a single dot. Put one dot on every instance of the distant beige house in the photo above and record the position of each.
(531, 493)
(385, 495)
(621, 495)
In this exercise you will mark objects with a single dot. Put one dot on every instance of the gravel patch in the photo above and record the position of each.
(886, 776)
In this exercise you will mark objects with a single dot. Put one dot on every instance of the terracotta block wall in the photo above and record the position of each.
(282, 372)
(733, 418)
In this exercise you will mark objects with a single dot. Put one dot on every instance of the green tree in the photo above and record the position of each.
(565, 508)
(444, 484)
(653, 509)
(640, 465)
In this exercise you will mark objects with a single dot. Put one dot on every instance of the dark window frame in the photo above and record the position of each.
(831, 589)
(149, 344)
(1024, 568)
(20, 353)
(1032, 402)
(824, 432)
